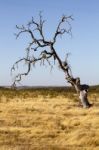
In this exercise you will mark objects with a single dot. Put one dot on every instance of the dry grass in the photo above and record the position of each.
(33, 120)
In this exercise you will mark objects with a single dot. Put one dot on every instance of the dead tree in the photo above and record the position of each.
(42, 50)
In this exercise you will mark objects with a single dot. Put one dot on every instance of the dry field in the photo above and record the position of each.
(47, 119)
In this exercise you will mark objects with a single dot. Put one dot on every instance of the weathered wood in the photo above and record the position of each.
(82, 91)
(84, 99)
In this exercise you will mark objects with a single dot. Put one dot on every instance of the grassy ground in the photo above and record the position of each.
(48, 119)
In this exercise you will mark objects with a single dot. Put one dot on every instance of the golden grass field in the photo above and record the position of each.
(47, 120)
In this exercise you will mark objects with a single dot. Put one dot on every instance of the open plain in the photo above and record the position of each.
(48, 119)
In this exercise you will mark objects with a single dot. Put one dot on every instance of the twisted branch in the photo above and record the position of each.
(42, 47)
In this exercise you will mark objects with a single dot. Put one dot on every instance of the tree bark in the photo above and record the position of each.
(84, 99)
(82, 91)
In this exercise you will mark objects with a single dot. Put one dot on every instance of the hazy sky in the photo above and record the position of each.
(83, 46)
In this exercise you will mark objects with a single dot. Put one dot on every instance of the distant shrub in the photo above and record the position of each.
(45, 92)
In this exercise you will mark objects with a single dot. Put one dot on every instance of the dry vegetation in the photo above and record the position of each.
(48, 119)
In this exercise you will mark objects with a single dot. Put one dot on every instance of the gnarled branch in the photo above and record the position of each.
(40, 49)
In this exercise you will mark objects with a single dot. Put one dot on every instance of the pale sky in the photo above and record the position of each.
(83, 46)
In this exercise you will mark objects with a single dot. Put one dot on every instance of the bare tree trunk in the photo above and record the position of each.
(82, 91)
(84, 99)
